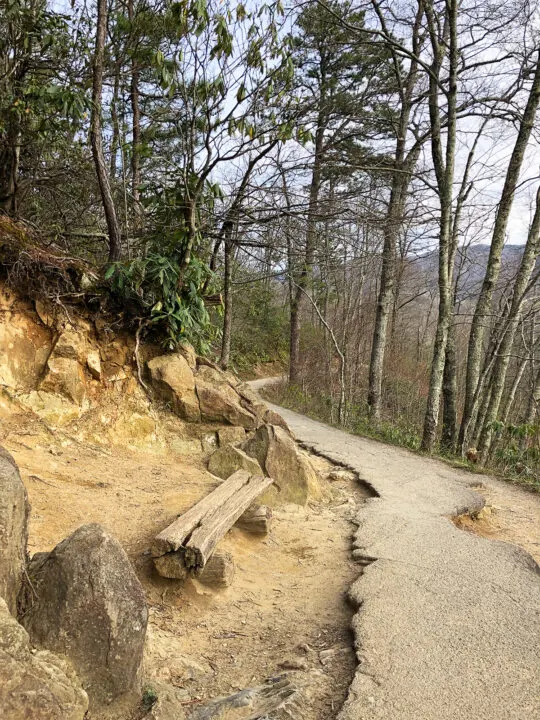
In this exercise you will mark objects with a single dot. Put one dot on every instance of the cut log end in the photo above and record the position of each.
(172, 565)
(218, 571)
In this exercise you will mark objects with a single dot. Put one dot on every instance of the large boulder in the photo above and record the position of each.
(219, 402)
(228, 459)
(91, 607)
(35, 685)
(65, 377)
(13, 530)
(173, 381)
(295, 478)
(230, 434)
(71, 344)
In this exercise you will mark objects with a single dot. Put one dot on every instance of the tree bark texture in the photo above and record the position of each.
(96, 140)
(484, 302)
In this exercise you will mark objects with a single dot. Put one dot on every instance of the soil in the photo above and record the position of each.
(511, 514)
(288, 600)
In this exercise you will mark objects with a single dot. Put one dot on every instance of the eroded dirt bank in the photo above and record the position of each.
(287, 606)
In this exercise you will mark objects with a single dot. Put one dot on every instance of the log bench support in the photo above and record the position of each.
(187, 545)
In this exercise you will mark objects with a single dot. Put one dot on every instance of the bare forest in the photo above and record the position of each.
(345, 193)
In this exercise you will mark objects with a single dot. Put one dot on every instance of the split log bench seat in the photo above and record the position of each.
(187, 545)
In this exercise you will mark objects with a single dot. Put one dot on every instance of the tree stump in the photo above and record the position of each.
(256, 519)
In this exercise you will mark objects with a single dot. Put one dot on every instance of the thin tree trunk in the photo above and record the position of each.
(305, 272)
(498, 379)
(444, 170)
(96, 140)
(136, 133)
(228, 299)
(513, 390)
(449, 428)
(484, 302)
(386, 288)
(403, 168)
(115, 138)
(534, 402)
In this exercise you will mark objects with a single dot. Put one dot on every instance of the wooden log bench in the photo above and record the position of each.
(187, 545)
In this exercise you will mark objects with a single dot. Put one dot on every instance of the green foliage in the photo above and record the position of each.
(40, 100)
(517, 451)
(260, 327)
(167, 296)
(353, 81)
(149, 696)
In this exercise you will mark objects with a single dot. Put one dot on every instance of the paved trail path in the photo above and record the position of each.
(448, 622)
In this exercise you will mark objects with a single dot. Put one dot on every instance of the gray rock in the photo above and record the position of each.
(35, 685)
(227, 460)
(295, 478)
(91, 607)
(14, 509)
(232, 434)
(173, 381)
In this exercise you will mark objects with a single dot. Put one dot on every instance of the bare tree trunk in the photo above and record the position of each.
(307, 266)
(483, 305)
(449, 428)
(444, 163)
(136, 133)
(513, 390)
(228, 299)
(386, 288)
(115, 138)
(403, 168)
(96, 140)
(534, 401)
(498, 379)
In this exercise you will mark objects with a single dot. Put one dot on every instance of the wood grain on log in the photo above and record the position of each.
(173, 537)
(216, 523)
(197, 532)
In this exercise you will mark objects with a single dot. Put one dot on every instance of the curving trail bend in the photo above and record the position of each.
(447, 625)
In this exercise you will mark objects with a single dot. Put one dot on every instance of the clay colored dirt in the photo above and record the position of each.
(287, 603)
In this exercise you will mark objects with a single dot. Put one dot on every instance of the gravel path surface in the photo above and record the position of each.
(448, 623)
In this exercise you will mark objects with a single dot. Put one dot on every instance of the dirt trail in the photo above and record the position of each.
(287, 603)
(447, 623)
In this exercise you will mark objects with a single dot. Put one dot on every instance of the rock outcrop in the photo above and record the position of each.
(91, 607)
(13, 530)
(228, 459)
(35, 685)
(173, 381)
(295, 478)
(227, 435)
(64, 377)
(219, 402)
(201, 393)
